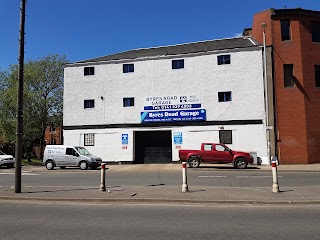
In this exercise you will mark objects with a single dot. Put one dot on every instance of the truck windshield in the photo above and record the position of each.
(83, 151)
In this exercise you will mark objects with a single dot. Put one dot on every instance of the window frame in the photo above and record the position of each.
(288, 75)
(225, 96)
(224, 59)
(128, 102)
(178, 64)
(88, 103)
(88, 139)
(286, 34)
(225, 136)
(128, 68)
(88, 71)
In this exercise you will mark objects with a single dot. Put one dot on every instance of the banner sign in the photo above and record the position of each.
(174, 116)
(172, 102)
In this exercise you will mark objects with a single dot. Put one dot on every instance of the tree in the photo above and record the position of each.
(43, 99)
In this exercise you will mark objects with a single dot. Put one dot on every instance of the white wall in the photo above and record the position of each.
(154, 77)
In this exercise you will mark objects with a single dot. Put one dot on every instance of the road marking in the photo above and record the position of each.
(255, 176)
(212, 176)
(23, 174)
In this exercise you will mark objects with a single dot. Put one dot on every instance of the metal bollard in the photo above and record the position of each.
(184, 177)
(103, 177)
(275, 185)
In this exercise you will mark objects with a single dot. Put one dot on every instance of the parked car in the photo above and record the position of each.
(6, 160)
(215, 153)
(69, 156)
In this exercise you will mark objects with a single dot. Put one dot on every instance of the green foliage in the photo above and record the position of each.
(42, 98)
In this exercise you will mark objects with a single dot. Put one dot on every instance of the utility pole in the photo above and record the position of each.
(19, 133)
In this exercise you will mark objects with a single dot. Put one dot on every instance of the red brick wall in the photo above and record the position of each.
(297, 108)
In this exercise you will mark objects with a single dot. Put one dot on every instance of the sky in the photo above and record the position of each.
(84, 29)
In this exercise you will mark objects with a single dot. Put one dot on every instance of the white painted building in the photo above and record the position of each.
(144, 105)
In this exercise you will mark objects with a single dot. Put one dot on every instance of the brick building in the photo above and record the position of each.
(293, 48)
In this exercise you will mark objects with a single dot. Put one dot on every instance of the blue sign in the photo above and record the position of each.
(177, 137)
(173, 107)
(174, 116)
(125, 138)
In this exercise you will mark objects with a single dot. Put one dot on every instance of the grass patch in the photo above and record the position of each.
(34, 161)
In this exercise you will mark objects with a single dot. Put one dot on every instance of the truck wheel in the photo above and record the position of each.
(83, 165)
(194, 162)
(240, 163)
(49, 165)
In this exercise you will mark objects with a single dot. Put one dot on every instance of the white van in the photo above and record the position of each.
(69, 156)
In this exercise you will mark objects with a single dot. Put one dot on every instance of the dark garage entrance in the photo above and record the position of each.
(153, 147)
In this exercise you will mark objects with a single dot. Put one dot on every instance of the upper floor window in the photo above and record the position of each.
(88, 71)
(224, 59)
(315, 31)
(176, 64)
(128, 102)
(317, 75)
(89, 103)
(89, 139)
(288, 75)
(285, 30)
(225, 136)
(224, 96)
(127, 68)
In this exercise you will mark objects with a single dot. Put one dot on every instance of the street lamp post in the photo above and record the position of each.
(264, 25)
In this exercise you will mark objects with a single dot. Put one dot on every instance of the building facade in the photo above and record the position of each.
(293, 39)
(144, 105)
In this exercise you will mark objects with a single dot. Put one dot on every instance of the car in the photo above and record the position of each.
(6, 160)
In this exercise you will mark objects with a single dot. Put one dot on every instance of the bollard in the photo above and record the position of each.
(184, 177)
(103, 177)
(275, 185)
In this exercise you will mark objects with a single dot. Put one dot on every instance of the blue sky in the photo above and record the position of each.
(83, 29)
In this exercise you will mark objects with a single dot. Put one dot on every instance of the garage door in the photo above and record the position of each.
(153, 147)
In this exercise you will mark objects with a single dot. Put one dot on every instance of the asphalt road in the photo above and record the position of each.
(196, 177)
(105, 221)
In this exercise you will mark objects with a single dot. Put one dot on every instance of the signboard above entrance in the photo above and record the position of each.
(174, 116)
(172, 102)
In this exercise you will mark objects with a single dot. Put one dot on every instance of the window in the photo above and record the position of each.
(317, 75)
(176, 64)
(89, 103)
(225, 136)
(89, 139)
(285, 30)
(220, 148)
(70, 151)
(315, 31)
(127, 68)
(128, 102)
(224, 59)
(207, 147)
(288, 75)
(88, 71)
(224, 96)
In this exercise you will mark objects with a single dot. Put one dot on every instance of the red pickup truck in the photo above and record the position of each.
(215, 153)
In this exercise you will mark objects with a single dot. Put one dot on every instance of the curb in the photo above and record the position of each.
(158, 201)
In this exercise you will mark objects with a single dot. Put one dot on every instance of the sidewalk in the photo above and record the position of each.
(172, 194)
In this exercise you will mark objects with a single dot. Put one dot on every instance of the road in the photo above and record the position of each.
(224, 177)
(54, 221)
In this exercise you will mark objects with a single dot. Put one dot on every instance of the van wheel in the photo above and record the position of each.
(49, 165)
(194, 162)
(240, 163)
(83, 165)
